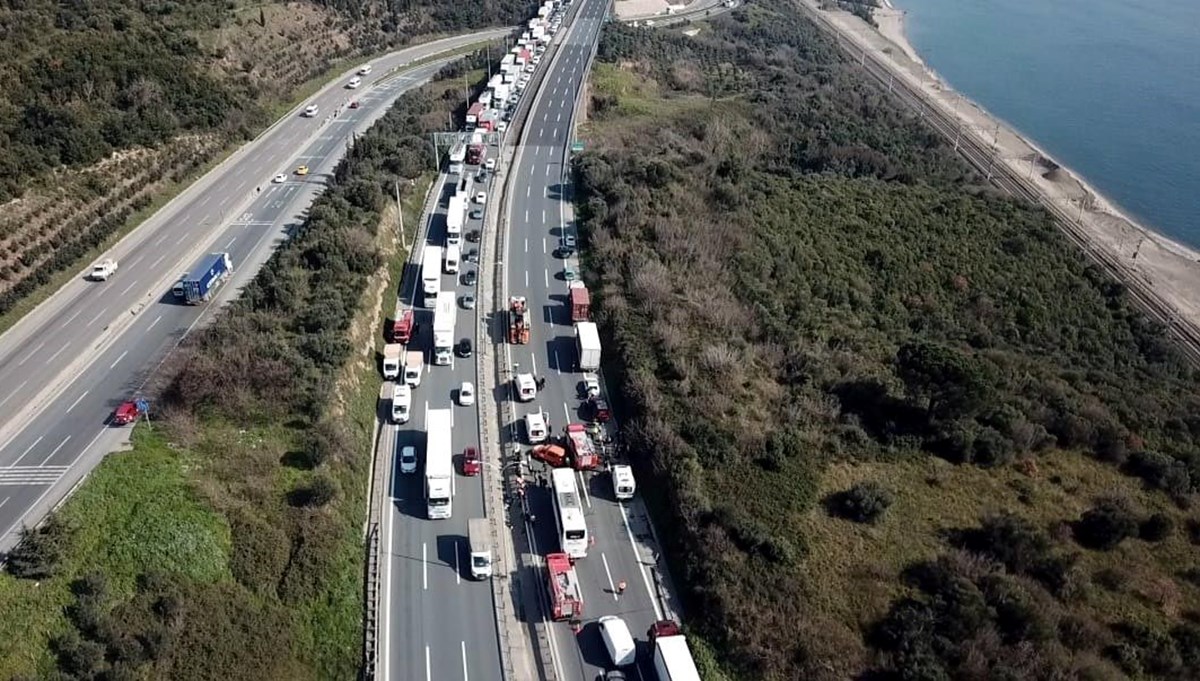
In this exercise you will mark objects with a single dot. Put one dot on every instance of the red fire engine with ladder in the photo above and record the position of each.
(566, 596)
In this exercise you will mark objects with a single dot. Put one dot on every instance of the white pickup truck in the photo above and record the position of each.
(102, 270)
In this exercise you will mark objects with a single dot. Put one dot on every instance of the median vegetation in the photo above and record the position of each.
(891, 422)
(228, 543)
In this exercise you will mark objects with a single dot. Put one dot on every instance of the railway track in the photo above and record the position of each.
(983, 157)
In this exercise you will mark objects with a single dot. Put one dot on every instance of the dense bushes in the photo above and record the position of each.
(777, 248)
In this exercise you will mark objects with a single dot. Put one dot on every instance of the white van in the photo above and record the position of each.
(414, 362)
(526, 388)
(365, 69)
(354, 82)
(623, 484)
(401, 403)
(535, 427)
(453, 254)
(310, 110)
(617, 640)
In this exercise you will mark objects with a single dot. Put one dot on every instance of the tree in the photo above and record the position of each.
(952, 383)
(1106, 525)
(865, 502)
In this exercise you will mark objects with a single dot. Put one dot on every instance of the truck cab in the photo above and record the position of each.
(391, 360)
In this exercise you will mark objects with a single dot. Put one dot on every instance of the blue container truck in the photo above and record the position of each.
(207, 276)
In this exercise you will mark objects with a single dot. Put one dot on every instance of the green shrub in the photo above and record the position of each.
(865, 502)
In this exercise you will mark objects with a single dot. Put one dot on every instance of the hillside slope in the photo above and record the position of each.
(893, 423)
(107, 106)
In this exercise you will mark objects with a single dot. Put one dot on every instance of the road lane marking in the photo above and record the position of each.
(566, 412)
(14, 393)
(658, 614)
(131, 285)
(583, 484)
(533, 363)
(72, 317)
(2, 503)
(457, 567)
(464, 657)
(158, 260)
(230, 243)
(526, 245)
(98, 314)
(527, 216)
(558, 118)
(528, 188)
(77, 399)
(156, 320)
(544, 210)
(543, 245)
(428, 677)
(557, 363)
(56, 354)
(60, 446)
(114, 364)
(612, 588)
(527, 279)
(546, 277)
(30, 449)
(425, 565)
(32, 353)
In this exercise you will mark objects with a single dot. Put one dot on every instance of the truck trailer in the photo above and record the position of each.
(439, 465)
(672, 658)
(518, 321)
(587, 342)
(444, 315)
(581, 302)
(431, 274)
(199, 284)
(479, 536)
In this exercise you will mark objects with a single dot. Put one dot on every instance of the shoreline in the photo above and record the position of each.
(1169, 267)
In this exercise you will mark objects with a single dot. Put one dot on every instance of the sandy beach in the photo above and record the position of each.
(1170, 268)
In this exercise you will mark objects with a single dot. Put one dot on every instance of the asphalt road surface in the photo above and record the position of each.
(69, 363)
(539, 216)
(438, 623)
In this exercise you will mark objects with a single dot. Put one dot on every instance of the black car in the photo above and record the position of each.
(476, 214)
(463, 348)
(473, 255)
(470, 278)
(473, 236)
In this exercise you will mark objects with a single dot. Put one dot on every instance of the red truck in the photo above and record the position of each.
(473, 114)
(566, 596)
(584, 456)
(581, 302)
(402, 324)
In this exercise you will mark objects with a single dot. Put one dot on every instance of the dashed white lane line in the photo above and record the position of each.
(157, 260)
(58, 352)
(131, 285)
(32, 353)
(156, 320)
(77, 401)
(118, 360)
(98, 315)
(546, 276)
(612, 588)
(60, 446)
(72, 317)
(29, 449)
(14, 393)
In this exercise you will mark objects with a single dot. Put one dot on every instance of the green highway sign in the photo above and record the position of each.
(576, 146)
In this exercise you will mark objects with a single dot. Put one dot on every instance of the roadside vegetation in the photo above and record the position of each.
(228, 542)
(109, 106)
(893, 425)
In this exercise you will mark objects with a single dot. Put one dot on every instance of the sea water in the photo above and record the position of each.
(1109, 88)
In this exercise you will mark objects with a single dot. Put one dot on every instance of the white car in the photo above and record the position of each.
(529, 68)
(408, 460)
(310, 110)
(401, 403)
(617, 640)
(354, 82)
(364, 69)
(591, 384)
(502, 126)
(481, 198)
(279, 179)
(102, 270)
(466, 394)
(490, 164)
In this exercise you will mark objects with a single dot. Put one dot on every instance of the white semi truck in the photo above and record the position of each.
(392, 357)
(439, 466)
(456, 210)
(444, 314)
(431, 274)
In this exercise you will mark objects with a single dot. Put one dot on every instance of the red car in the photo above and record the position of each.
(354, 104)
(125, 414)
(471, 464)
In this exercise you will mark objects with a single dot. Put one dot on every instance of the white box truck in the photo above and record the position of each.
(414, 364)
(479, 536)
(456, 210)
(672, 659)
(392, 357)
(439, 466)
(431, 274)
(444, 315)
(587, 342)
(452, 258)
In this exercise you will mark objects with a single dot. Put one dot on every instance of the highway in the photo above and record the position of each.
(66, 365)
(438, 623)
(539, 213)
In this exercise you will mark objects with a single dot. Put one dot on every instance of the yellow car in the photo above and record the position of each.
(302, 170)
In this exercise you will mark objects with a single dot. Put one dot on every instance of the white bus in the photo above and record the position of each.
(568, 513)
